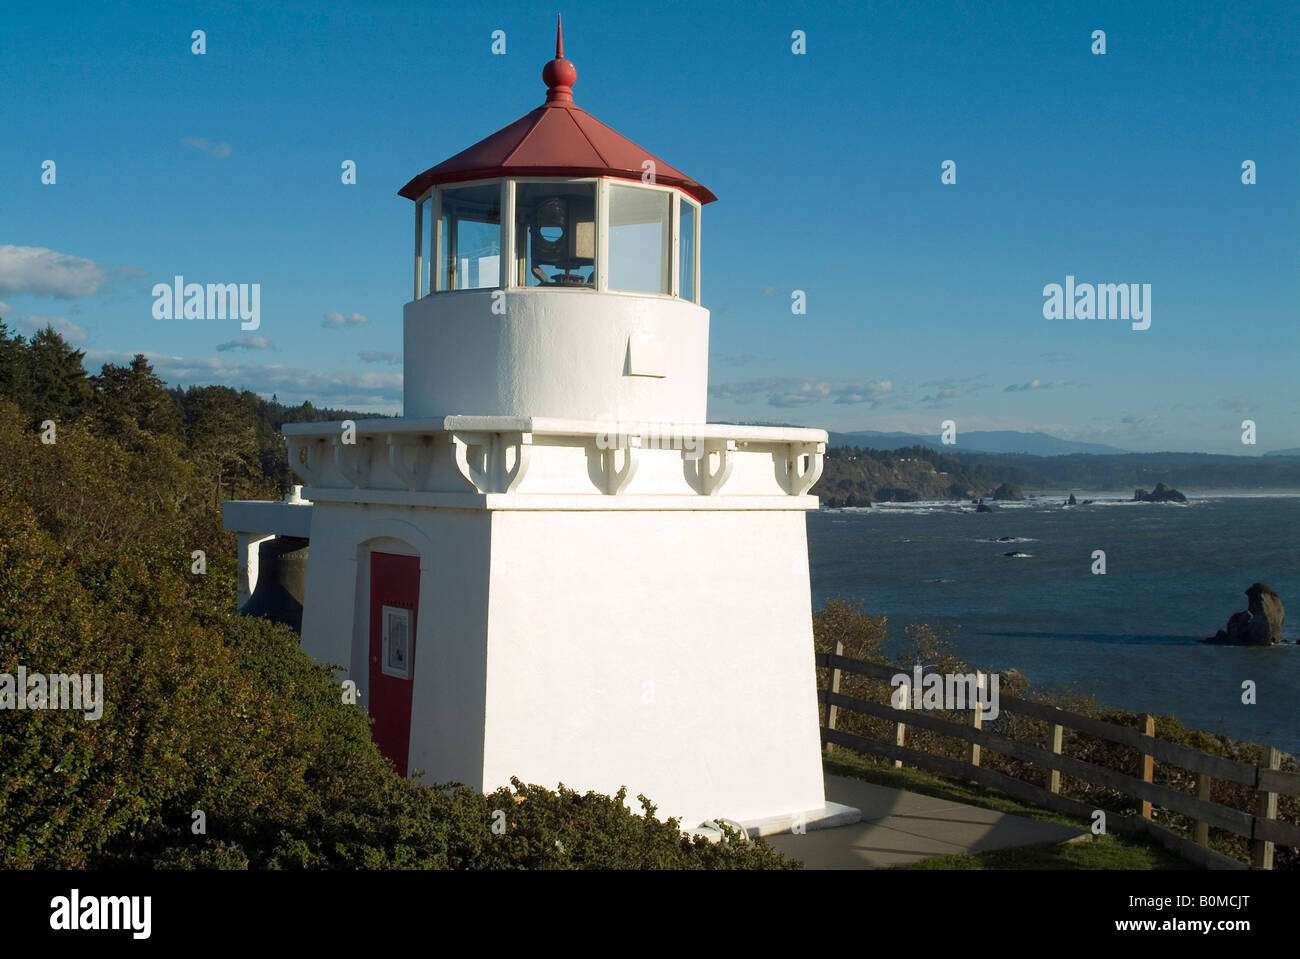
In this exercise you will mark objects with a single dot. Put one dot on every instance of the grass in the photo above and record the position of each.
(1097, 852)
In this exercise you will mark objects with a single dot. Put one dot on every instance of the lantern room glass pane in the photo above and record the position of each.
(686, 252)
(428, 246)
(639, 239)
(471, 238)
(555, 234)
(442, 260)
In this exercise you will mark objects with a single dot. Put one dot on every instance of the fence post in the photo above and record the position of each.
(1261, 850)
(1058, 738)
(1203, 793)
(978, 717)
(1148, 727)
(832, 711)
(900, 731)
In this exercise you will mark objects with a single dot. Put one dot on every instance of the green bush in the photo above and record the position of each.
(206, 711)
(209, 711)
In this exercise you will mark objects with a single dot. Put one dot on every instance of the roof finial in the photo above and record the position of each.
(559, 75)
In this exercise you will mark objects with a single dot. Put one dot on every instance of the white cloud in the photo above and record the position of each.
(874, 392)
(245, 343)
(335, 320)
(324, 388)
(34, 269)
(951, 388)
(1236, 404)
(70, 331)
(1037, 384)
(219, 150)
(733, 359)
(4, 307)
(796, 392)
(376, 356)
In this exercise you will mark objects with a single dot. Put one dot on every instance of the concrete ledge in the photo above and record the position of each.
(823, 817)
(568, 502)
(552, 426)
(266, 517)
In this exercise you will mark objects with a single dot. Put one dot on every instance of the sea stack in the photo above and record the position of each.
(1259, 624)
(1008, 491)
(1161, 494)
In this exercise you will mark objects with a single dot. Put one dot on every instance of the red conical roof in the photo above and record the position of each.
(556, 139)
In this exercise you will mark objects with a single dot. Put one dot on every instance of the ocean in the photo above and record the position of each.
(1130, 637)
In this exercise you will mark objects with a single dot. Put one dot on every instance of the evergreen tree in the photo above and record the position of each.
(130, 399)
(59, 388)
(15, 375)
(222, 434)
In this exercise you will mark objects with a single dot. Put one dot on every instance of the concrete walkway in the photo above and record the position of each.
(900, 827)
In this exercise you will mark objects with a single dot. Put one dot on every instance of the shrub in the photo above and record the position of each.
(209, 711)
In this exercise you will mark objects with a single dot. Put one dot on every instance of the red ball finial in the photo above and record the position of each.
(559, 75)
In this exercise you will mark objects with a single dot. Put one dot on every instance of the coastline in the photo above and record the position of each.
(1175, 574)
(1054, 498)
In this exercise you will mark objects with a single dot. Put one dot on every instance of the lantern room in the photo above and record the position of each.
(593, 234)
(557, 200)
(554, 208)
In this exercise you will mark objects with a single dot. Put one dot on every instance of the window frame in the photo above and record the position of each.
(419, 246)
(603, 226)
(441, 237)
(695, 247)
(512, 271)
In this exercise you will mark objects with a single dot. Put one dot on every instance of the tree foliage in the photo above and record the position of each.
(204, 710)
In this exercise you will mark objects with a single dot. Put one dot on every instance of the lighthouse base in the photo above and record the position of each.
(666, 651)
(593, 617)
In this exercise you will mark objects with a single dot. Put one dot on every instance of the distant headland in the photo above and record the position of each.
(860, 476)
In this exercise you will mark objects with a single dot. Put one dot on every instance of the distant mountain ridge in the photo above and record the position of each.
(859, 476)
(975, 441)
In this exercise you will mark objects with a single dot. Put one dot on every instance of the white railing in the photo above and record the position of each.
(420, 461)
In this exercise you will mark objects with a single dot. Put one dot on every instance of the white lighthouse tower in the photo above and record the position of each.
(552, 567)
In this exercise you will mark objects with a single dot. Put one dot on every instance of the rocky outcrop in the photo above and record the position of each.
(1161, 494)
(1008, 491)
(893, 494)
(1071, 501)
(1259, 624)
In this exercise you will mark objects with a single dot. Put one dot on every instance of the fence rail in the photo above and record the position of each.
(1262, 827)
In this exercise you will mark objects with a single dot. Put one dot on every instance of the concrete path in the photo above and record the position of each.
(900, 827)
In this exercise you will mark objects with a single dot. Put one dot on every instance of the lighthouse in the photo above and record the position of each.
(552, 567)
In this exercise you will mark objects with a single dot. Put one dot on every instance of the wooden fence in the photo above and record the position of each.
(1262, 828)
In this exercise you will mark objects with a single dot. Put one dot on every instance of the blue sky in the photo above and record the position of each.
(924, 300)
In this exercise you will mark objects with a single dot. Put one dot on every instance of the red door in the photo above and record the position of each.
(394, 596)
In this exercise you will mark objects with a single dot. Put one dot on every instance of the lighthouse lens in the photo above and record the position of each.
(555, 234)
